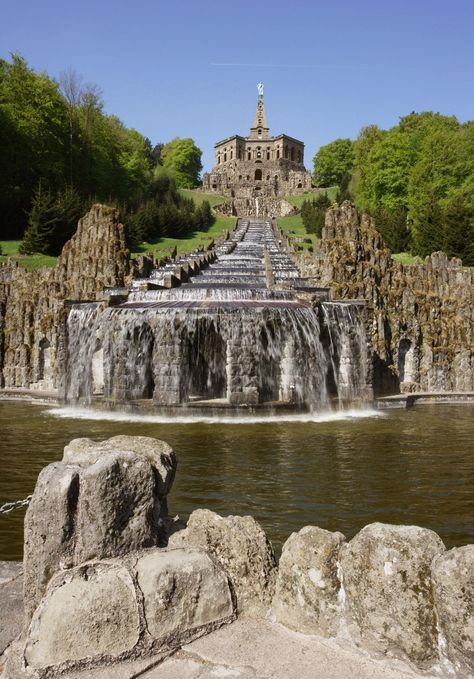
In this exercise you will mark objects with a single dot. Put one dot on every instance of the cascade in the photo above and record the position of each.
(226, 337)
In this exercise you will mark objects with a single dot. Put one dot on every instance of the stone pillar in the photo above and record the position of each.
(242, 368)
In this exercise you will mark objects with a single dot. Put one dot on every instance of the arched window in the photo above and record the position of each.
(299, 156)
(249, 155)
(258, 175)
(240, 177)
(268, 177)
(225, 157)
(278, 153)
(231, 154)
(292, 153)
(286, 151)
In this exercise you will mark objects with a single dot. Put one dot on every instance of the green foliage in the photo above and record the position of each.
(333, 164)
(313, 213)
(52, 221)
(182, 158)
(417, 180)
(59, 135)
(33, 137)
(393, 227)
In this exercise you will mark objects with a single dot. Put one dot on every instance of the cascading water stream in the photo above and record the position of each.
(226, 336)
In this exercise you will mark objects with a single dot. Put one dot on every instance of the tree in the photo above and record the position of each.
(313, 213)
(458, 223)
(393, 227)
(182, 158)
(333, 164)
(52, 220)
(428, 236)
(33, 139)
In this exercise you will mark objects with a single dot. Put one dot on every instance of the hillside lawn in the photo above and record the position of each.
(298, 200)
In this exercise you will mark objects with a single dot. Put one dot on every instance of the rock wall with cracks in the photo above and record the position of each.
(421, 315)
(33, 306)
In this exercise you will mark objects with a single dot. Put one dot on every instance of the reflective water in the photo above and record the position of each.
(412, 467)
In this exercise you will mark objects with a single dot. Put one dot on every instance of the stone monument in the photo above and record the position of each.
(258, 170)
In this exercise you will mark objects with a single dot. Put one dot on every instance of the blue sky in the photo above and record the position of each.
(190, 68)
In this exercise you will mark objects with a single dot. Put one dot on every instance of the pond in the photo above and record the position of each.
(337, 471)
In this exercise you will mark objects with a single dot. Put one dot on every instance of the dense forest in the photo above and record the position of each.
(60, 152)
(416, 179)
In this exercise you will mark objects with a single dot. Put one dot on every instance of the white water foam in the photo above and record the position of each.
(121, 416)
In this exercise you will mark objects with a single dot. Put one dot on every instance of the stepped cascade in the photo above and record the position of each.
(245, 330)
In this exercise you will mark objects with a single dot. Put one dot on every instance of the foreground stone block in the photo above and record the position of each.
(308, 585)
(88, 612)
(123, 609)
(183, 591)
(453, 578)
(240, 546)
(389, 598)
(103, 500)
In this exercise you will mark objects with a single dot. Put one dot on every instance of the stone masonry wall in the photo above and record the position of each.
(32, 303)
(421, 316)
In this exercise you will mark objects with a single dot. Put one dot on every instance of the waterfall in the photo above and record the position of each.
(222, 337)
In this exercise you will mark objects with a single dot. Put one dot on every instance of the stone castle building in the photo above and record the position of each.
(259, 170)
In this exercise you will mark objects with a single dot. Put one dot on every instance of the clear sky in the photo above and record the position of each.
(189, 68)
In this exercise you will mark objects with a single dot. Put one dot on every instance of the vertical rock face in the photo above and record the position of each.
(103, 500)
(421, 316)
(32, 311)
(96, 256)
(453, 577)
(307, 590)
(388, 591)
(240, 546)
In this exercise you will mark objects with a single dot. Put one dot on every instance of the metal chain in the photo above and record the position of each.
(10, 506)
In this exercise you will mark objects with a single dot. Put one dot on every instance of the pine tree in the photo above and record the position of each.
(458, 221)
(40, 223)
(427, 237)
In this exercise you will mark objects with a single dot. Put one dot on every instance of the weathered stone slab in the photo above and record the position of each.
(388, 589)
(242, 549)
(183, 592)
(103, 500)
(453, 578)
(308, 587)
(158, 453)
(89, 612)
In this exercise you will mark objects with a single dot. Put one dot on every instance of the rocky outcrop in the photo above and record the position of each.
(308, 587)
(453, 579)
(388, 591)
(241, 547)
(99, 590)
(102, 500)
(105, 611)
(421, 316)
(33, 303)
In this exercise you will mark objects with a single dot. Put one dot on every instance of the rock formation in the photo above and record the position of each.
(102, 500)
(241, 547)
(33, 304)
(388, 591)
(421, 316)
(98, 589)
(308, 584)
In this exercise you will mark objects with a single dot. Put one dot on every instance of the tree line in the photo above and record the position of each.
(60, 152)
(416, 179)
